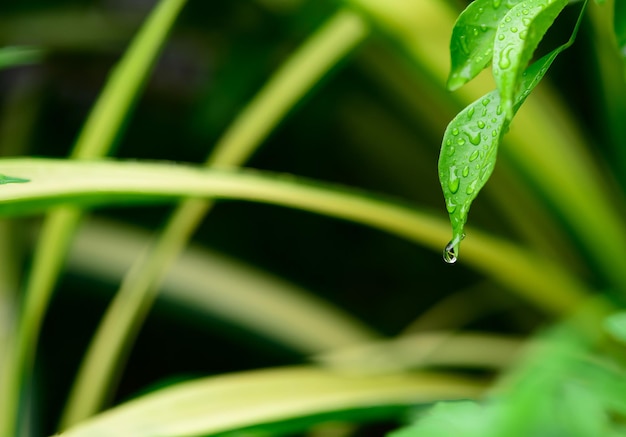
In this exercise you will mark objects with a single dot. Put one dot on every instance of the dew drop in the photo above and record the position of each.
(453, 185)
(525, 11)
(483, 27)
(474, 139)
(507, 19)
(514, 29)
(500, 37)
(494, 133)
(465, 171)
(499, 110)
(451, 250)
(460, 141)
(455, 131)
(454, 181)
(481, 124)
(451, 150)
(451, 207)
(497, 3)
(504, 61)
(470, 189)
(449, 254)
(474, 156)
(523, 34)
(470, 112)
(485, 102)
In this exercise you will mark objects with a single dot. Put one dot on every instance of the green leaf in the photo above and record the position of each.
(517, 37)
(470, 143)
(231, 402)
(11, 180)
(471, 46)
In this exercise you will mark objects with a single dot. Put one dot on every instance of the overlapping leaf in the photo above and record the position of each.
(470, 145)
(517, 37)
(470, 142)
(471, 46)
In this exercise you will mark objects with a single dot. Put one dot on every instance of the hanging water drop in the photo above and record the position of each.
(449, 255)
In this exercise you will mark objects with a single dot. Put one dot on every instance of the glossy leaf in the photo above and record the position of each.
(470, 145)
(517, 37)
(471, 46)
(468, 153)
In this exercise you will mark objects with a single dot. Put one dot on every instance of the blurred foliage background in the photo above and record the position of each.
(374, 122)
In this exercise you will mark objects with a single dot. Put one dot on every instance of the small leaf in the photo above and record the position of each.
(11, 180)
(516, 39)
(471, 46)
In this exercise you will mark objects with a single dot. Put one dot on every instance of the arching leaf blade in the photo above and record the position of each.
(471, 45)
(517, 37)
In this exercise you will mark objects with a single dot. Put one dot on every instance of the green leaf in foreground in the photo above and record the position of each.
(470, 144)
(471, 46)
(11, 180)
(459, 419)
(517, 37)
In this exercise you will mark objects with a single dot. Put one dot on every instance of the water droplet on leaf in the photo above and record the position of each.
(449, 254)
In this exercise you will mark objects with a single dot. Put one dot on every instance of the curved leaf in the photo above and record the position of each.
(517, 37)
(231, 402)
(471, 46)
(469, 149)
(468, 153)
